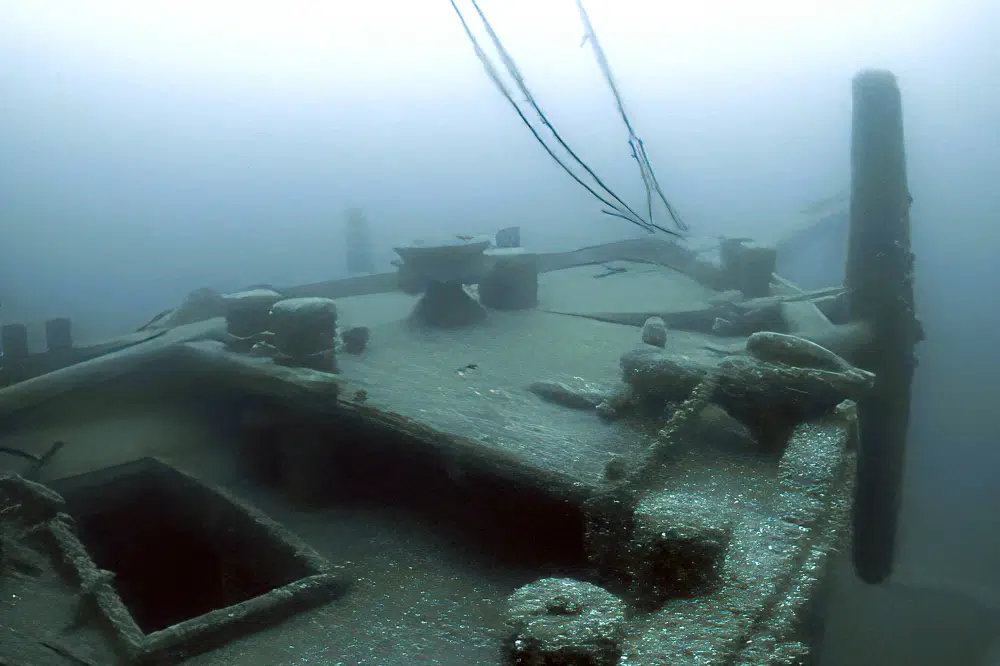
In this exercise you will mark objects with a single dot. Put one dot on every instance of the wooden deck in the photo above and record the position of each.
(461, 397)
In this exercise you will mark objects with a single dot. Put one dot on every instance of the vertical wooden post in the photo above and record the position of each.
(730, 258)
(59, 334)
(14, 343)
(879, 281)
(747, 266)
(358, 243)
(756, 271)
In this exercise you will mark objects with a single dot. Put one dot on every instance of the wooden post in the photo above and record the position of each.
(879, 281)
(358, 243)
(757, 271)
(14, 342)
(730, 256)
(747, 266)
(59, 334)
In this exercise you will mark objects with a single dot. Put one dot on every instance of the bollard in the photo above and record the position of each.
(14, 342)
(248, 312)
(508, 237)
(512, 283)
(59, 334)
(305, 330)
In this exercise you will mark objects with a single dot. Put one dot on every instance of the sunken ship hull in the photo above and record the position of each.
(619, 455)
(547, 457)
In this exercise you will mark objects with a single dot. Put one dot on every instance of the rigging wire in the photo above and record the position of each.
(638, 148)
(515, 74)
(622, 210)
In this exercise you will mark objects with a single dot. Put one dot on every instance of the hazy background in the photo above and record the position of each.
(149, 148)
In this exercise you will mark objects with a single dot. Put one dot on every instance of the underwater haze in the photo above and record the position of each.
(151, 148)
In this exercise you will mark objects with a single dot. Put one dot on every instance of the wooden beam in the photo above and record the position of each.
(879, 281)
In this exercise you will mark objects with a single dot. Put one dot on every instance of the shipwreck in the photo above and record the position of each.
(622, 454)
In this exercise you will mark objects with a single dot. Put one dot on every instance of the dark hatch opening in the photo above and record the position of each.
(178, 550)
